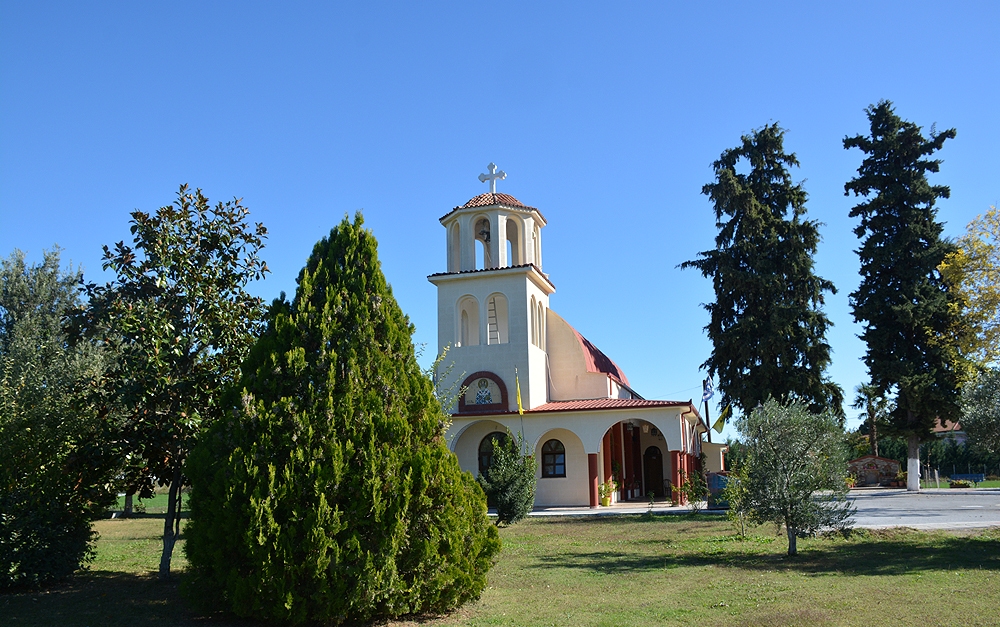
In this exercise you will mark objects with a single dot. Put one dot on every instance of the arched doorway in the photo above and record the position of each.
(652, 463)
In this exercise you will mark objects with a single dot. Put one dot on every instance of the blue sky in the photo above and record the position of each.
(606, 119)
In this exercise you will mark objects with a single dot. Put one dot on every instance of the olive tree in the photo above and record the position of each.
(795, 469)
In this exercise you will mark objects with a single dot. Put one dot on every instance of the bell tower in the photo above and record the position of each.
(492, 302)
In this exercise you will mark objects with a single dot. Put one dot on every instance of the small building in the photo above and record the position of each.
(872, 470)
(507, 347)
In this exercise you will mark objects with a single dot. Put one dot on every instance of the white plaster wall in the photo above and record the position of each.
(568, 375)
(713, 456)
(573, 489)
(517, 285)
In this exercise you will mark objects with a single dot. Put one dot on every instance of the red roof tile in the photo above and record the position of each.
(489, 199)
(597, 361)
(606, 403)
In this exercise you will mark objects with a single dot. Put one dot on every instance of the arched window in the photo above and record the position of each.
(534, 322)
(541, 326)
(553, 459)
(497, 438)
(496, 320)
(467, 333)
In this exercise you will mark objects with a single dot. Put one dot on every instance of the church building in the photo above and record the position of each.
(581, 417)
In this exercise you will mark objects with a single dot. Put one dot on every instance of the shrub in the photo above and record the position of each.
(959, 483)
(509, 482)
(694, 490)
(54, 470)
(329, 495)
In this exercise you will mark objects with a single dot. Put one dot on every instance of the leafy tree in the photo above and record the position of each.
(876, 411)
(911, 318)
(767, 329)
(509, 482)
(693, 490)
(795, 469)
(974, 268)
(981, 411)
(331, 495)
(178, 316)
(55, 470)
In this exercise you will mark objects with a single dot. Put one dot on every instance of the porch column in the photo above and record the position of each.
(675, 475)
(592, 467)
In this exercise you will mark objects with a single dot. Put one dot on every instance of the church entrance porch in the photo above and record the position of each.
(633, 454)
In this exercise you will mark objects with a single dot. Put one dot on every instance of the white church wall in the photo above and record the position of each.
(571, 489)
(568, 375)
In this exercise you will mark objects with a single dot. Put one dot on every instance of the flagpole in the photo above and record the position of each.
(708, 420)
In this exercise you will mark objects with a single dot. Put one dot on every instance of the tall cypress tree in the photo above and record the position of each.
(909, 313)
(331, 495)
(767, 329)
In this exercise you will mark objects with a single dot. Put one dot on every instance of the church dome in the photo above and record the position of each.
(491, 198)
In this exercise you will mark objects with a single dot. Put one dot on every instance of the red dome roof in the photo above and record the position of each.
(489, 199)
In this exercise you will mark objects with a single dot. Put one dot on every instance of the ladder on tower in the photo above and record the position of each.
(493, 329)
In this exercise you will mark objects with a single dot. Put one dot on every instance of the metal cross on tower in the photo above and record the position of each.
(492, 177)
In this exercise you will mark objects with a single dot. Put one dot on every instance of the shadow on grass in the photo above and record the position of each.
(104, 598)
(893, 553)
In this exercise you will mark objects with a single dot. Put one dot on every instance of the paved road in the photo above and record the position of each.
(882, 507)
(928, 509)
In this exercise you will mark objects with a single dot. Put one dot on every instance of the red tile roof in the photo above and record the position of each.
(598, 361)
(523, 265)
(946, 427)
(606, 403)
(489, 199)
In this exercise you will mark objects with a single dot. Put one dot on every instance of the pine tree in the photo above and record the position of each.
(910, 316)
(767, 328)
(330, 495)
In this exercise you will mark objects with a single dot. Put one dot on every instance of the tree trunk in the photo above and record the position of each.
(913, 463)
(873, 437)
(127, 513)
(792, 549)
(171, 523)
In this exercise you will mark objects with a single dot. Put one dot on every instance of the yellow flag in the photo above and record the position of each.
(517, 384)
(721, 422)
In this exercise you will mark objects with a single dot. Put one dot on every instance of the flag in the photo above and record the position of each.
(708, 391)
(721, 422)
(517, 384)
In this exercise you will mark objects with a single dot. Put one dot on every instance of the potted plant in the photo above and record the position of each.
(605, 490)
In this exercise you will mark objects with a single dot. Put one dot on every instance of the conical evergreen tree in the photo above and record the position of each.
(910, 315)
(767, 329)
(330, 494)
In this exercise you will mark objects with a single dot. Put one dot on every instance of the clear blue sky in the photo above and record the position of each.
(606, 119)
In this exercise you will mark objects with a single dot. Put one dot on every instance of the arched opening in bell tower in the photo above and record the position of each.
(513, 246)
(483, 234)
(454, 249)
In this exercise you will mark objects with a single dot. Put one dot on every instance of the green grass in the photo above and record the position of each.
(663, 570)
(944, 484)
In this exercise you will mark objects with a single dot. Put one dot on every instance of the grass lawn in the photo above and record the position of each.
(664, 570)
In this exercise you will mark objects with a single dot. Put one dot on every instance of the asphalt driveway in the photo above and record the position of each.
(928, 509)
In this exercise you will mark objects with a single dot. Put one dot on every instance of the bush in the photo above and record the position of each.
(694, 490)
(329, 495)
(54, 470)
(959, 483)
(509, 482)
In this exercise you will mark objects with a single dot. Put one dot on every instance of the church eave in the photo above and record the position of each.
(540, 278)
(516, 209)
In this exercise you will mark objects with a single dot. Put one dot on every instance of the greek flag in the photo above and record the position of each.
(708, 391)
